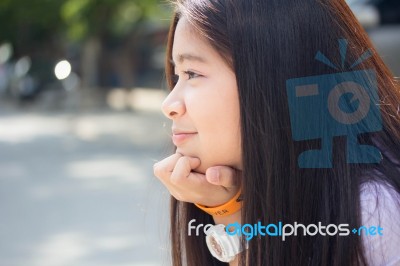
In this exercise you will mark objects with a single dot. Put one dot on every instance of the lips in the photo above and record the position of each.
(181, 136)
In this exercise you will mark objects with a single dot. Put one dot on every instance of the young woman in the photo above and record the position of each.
(228, 67)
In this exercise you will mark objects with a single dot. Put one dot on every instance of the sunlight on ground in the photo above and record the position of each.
(71, 248)
(78, 189)
(27, 127)
(121, 170)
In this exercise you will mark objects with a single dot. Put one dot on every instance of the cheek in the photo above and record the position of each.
(213, 113)
(217, 98)
(217, 120)
(221, 145)
(213, 109)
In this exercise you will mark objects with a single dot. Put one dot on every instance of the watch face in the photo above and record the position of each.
(221, 245)
(216, 246)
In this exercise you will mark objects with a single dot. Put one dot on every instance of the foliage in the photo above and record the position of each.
(27, 22)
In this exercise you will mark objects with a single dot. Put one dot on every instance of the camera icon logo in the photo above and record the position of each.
(340, 104)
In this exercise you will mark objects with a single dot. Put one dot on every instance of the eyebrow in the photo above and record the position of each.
(189, 57)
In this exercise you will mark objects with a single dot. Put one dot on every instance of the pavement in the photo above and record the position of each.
(77, 187)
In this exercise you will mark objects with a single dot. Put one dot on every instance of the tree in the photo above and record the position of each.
(45, 28)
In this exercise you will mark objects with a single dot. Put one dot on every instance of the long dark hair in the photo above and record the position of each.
(267, 42)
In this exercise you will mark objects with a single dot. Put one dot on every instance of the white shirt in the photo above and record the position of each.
(380, 206)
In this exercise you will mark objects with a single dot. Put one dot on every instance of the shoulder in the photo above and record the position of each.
(380, 206)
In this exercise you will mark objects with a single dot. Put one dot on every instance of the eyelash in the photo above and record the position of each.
(190, 74)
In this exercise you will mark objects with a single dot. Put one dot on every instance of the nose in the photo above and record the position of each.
(173, 106)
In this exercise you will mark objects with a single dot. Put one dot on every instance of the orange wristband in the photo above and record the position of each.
(232, 206)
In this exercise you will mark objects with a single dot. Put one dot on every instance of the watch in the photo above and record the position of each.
(222, 246)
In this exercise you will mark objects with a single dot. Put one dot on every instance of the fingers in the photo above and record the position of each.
(183, 168)
(166, 166)
(215, 188)
(223, 175)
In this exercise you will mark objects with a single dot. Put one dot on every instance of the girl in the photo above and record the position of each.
(232, 67)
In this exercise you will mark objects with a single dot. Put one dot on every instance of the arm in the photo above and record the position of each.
(215, 188)
(380, 206)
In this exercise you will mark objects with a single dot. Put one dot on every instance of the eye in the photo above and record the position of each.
(191, 74)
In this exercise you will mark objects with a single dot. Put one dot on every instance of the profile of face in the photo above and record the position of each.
(204, 104)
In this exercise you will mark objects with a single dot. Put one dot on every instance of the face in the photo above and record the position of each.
(204, 104)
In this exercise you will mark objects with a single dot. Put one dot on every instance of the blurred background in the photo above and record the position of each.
(81, 83)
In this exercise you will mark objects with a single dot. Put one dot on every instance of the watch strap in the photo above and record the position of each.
(232, 206)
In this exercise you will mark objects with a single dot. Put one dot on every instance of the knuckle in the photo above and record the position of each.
(155, 166)
(182, 161)
(175, 178)
(156, 169)
(179, 174)
(159, 170)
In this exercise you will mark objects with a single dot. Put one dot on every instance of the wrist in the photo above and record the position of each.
(232, 206)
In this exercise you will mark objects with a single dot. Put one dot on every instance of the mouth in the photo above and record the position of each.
(179, 137)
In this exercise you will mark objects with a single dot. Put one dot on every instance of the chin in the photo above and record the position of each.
(201, 169)
(204, 165)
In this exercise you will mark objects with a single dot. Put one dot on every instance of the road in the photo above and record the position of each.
(77, 188)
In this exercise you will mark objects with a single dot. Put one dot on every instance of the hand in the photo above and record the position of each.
(216, 187)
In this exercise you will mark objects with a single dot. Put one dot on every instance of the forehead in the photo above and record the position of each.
(189, 44)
